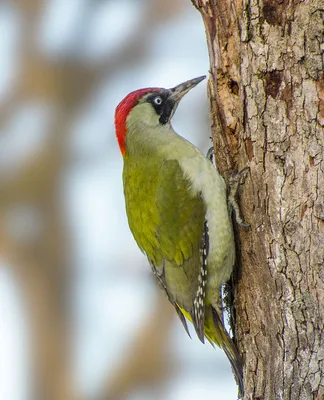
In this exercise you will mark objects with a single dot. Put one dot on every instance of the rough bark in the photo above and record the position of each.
(266, 92)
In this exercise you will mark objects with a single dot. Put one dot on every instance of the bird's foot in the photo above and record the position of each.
(234, 184)
(210, 154)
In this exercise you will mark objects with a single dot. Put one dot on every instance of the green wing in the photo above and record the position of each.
(167, 221)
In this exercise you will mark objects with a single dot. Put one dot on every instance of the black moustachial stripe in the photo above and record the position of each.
(166, 112)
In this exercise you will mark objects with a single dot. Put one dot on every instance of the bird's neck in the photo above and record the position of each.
(144, 139)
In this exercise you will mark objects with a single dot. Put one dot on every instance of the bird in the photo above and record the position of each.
(177, 210)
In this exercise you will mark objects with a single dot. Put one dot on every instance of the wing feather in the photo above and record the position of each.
(167, 220)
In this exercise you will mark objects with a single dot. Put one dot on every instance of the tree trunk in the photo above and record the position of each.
(266, 91)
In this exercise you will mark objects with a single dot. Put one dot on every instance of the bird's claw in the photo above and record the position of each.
(234, 183)
(210, 154)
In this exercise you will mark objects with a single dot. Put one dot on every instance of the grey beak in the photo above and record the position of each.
(180, 90)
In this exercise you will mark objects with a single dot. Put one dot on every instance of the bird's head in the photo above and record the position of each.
(150, 106)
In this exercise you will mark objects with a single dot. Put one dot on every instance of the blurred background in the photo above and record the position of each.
(81, 317)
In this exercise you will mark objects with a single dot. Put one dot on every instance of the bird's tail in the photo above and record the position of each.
(216, 333)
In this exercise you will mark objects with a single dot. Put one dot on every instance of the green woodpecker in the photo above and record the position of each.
(177, 211)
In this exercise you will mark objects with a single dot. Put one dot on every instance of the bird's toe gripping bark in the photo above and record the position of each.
(234, 184)
(210, 153)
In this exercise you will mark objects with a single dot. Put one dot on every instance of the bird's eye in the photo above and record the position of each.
(158, 100)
